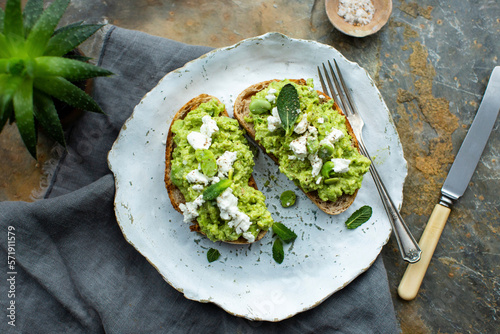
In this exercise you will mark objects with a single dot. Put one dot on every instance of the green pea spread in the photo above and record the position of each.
(320, 119)
(228, 138)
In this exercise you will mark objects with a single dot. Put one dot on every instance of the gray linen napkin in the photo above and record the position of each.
(74, 271)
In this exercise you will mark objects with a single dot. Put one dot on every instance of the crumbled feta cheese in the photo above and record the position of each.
(225, 163)
(228, 206)
(356, 12)
(271, 95)
(215, 179)
(301, 127)
(298, 146)
(332, 137)
(209, 126)
(310, 89)
(312, 130)
(195, 176)
(190, 209)
(292, 157)
(198, 187)
(318, 181)
(274, 121)
(322, 97)
(321, 120)
(341, 165)
(199, 140)
(316, 163)
(249, 236)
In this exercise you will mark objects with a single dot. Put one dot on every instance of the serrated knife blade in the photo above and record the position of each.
(455, 184)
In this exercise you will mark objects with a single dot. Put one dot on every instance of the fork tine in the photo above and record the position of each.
(333, 91)
(347, 92)
(323, 85)
(345, 103)
(329, 81)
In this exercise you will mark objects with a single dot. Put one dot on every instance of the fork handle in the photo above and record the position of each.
(408, 247)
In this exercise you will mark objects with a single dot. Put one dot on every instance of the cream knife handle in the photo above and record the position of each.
(415, 272)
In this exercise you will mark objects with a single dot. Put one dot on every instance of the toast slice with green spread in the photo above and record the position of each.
(208, 174)
(313, 145)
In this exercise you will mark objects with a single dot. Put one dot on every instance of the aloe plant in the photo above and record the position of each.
(34, 68)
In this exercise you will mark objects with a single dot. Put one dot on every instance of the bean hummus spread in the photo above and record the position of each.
(318, 155)
(209, 149)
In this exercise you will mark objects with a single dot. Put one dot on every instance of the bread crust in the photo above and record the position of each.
(241, 110)
(174, 193)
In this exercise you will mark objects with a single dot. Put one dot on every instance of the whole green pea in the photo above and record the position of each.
(207, 161)
(288, 198)
(312, 145)
(259, 106)
(327, 169)
(326, 151)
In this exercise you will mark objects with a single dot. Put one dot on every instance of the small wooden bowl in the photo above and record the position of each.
(383, 10)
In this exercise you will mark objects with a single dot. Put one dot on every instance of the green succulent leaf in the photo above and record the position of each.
(65, 91)
(69, 38)
(23, 109)
(32, 11)
(13, 18)
(46, 114)
(70, 69)
(69, 26)
(2, 16)
(8, 86)
(5, 115)
(4, 46)
(44, 27)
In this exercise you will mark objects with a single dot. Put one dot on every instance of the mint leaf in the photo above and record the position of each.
(284, 232)
(359, 217)
(278, 253)
(212, 255)
(288, 106)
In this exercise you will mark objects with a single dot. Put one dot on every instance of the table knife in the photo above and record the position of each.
(455, 184)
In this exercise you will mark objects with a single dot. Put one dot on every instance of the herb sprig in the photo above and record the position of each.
(359, 217)
(288, 105)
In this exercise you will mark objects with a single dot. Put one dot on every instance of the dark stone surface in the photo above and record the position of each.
(431, 63)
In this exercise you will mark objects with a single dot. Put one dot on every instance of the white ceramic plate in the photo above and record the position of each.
(246, 281)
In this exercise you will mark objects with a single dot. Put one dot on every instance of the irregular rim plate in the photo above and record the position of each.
(246, 281)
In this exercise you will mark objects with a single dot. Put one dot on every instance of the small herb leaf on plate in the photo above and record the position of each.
(359, 217)
(278, 252)
(212, 255)
(288, 106)
(284, 232)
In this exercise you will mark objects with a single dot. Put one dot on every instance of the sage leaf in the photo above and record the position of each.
(359, 217)
(278, 253)
(284, 232)
(213, 255)
(288, 106)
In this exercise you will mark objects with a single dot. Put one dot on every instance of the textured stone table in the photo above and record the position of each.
(431, 63)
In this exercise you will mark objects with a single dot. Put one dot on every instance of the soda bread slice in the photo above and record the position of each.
(241, 110)
(176, 196)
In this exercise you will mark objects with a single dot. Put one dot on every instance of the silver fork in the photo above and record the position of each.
(410, 251)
